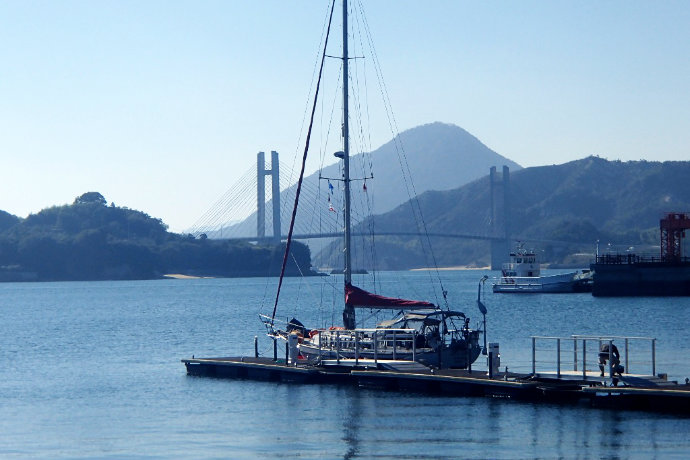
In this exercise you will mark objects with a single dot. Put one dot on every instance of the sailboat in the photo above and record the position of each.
(422, 332)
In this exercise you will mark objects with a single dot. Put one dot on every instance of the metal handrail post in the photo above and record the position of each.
(356, 348)
(534, 355)
(575, 355)
(653, 356)
(627, 369)
(558, 358)
(584, 358)
(337, 347)
(414, 345)
(395, 341)
(376, 348)
(611, 369)
(469, 360)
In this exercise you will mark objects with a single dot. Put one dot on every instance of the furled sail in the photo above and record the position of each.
(360, 298)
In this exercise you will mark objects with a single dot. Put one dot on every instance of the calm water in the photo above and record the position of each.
(92, 370)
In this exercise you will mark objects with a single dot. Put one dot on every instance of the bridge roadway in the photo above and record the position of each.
(307, 236)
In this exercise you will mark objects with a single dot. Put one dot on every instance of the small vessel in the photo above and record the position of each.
(422, 332)
(523, 274)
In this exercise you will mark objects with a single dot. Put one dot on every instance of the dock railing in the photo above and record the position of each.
(637, 259)
(357, 340)
(586, 350)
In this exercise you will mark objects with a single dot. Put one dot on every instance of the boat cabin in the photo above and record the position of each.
(523, 264)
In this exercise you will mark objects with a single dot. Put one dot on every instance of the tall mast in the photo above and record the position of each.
(349, 311)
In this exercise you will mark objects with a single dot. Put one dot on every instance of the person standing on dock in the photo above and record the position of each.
(604, 354)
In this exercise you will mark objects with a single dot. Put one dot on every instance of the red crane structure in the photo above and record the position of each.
(673, 227)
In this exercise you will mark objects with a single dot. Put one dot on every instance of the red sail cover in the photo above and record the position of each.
(360, 298)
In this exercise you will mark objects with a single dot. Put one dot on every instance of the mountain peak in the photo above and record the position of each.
(441, 156)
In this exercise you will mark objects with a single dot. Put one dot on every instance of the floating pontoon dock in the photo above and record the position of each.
(577, 380)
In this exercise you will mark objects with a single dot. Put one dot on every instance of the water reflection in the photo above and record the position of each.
(351, 424)
(493, 422)
(398, 425)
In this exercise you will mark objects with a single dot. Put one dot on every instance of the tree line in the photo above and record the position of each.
(91, 240)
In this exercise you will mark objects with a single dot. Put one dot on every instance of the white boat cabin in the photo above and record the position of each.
(523, 264)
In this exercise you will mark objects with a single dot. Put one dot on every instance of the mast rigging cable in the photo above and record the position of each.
(304, 161)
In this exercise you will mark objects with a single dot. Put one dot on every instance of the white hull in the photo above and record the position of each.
(449, 358)
(563, 282)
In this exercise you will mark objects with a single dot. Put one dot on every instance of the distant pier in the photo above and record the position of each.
(642, 275)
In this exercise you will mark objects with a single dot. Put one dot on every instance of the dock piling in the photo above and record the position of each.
(494, 359)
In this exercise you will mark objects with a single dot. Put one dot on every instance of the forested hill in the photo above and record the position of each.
(581, 201)
(91, 240)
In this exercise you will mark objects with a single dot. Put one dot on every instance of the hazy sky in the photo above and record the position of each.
(162, 105)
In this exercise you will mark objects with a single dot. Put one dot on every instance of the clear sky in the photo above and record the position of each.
(162, 105)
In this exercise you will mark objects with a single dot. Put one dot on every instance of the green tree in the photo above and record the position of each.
(91, 198)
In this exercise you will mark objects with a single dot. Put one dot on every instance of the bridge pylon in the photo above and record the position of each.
(500, 217)
(261, 173)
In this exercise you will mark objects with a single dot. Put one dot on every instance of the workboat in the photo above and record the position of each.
(523, 275)
(420, 331)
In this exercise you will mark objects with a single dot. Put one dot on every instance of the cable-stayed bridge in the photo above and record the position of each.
(241, 213)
